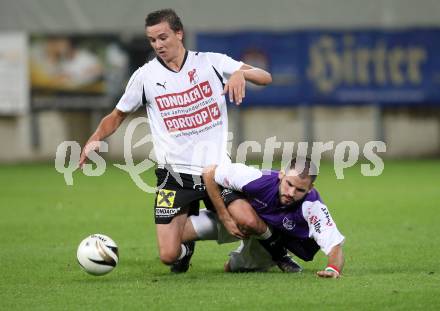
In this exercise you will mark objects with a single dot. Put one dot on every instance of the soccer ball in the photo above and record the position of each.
(97, 254)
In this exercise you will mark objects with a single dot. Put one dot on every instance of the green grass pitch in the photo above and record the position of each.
(392, 250)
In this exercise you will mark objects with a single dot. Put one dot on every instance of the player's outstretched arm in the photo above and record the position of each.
(335, 263)
(214, 194)
(256, 75)
(108, 125)
(236, 85)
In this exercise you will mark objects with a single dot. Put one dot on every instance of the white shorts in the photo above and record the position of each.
(249, 256)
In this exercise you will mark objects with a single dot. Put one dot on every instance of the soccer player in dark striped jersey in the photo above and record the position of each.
(276, 208)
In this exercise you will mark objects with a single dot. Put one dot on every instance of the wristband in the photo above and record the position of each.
(332, 268)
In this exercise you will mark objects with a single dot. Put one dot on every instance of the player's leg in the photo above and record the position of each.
(243, 213)
(174, 201)
(171, 249)
(169, 239)
(206, 227)
(201, 227)
(250, 256)
(189, 233)
(249, 222)
(171, 209)
(246, 218)
(170, 223)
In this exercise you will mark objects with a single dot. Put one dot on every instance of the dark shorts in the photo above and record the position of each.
(305, 249)
(178, 194)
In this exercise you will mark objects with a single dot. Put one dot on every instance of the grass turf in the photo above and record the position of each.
(390, 222)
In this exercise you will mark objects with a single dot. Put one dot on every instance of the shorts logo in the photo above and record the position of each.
(165, 198)
(225, 192)
(199, 187)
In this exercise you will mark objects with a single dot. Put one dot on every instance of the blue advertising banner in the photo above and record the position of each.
(337, 67)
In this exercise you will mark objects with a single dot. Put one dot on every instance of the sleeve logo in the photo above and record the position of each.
(327, 216)
(316, 222)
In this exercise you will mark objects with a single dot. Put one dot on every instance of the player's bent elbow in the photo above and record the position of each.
(264, 78)
(268, 79)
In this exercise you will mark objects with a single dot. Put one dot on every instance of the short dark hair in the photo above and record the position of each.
(304, 166)
(164, 15)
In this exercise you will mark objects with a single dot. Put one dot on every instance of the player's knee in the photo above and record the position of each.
(244, 216)
(169, 257)
(248, 225)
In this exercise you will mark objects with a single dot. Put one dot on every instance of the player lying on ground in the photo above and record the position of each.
(287, 202)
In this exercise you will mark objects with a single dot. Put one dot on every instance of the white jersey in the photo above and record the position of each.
(186, 109)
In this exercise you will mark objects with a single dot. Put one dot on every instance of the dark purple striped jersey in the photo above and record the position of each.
(303, 219)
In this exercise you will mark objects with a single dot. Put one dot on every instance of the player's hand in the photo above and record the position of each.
(233, 229)
(236, 87)
(91, 145)
(328, 274)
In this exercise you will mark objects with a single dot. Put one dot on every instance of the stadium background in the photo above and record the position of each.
(390, 220)
(33, 123)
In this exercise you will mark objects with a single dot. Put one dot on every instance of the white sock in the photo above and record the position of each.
(266, 235)
(183, 251)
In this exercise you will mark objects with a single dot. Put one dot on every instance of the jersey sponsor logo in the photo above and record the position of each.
(206, 88)
(162, 84)
(193, 120)
(185, 98)
(316, 222)
(165, 198)
(327, 216)
(288, 223)
(214, 110)
(166, 212)
(177, 100)
(193, 78)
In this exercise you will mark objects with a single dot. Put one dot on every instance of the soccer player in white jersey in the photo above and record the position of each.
(183, 94)
(267, 202)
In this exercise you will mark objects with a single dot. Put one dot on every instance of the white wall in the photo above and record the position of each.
(128, 15)
(15, 138)
(412, 136)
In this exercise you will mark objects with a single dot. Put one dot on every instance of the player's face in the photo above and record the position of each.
(166, 43)
(292, 187)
